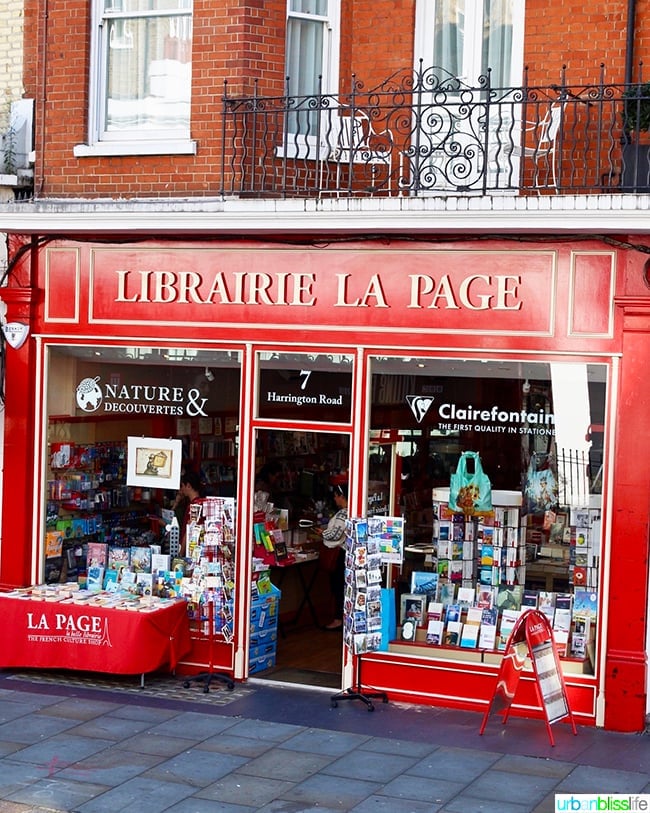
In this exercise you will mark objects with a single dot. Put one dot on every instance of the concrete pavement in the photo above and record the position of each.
(80, 745)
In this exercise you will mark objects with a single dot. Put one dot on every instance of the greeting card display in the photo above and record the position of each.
(363, 600)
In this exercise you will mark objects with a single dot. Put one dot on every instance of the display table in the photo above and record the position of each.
(62, 635)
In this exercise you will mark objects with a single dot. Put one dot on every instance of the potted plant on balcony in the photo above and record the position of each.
(636, 142)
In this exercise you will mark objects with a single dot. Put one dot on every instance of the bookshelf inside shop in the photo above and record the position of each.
(307, 461)
(462, 599)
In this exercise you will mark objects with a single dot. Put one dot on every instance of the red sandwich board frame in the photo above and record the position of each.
(532, 635)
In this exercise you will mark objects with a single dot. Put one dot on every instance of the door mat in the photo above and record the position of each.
(302, 677)
(160, 686)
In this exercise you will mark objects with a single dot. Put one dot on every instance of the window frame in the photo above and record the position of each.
(144, 142)
(307, 146)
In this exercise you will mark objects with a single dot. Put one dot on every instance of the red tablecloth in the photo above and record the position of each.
(51, 635)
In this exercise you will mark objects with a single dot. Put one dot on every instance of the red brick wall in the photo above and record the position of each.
(241, 40)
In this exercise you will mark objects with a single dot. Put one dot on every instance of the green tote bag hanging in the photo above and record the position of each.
(470, 490)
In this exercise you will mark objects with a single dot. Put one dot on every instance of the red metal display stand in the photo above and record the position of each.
(532, 636)
(204, 627)
(210, 522)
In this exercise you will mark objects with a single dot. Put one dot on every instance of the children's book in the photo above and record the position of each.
(53, 544)
(96, 554)
(140, 559)
(143, 584)
(118, 557)
(95, 578)
(110, 580)
(585, 604)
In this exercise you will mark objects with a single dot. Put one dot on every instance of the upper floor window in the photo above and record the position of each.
(141, 71)
(312, 61)
(466, 37)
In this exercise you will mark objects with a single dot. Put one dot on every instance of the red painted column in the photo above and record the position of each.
(18, 474)
(626, 660)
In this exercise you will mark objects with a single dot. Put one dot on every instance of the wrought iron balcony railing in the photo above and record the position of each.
(425, 132)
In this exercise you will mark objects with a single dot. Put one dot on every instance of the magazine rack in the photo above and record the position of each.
(209, 675)
(356, 693)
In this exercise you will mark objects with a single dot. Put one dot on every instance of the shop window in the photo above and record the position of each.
(98, 398)
(538, 430)
(141, 77)
(307, 387)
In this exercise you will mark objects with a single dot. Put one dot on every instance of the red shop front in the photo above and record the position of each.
(371, 363)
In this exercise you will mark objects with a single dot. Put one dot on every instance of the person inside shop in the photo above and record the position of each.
(268, 479)
(334, 538)
(268, 482)
(190, 493)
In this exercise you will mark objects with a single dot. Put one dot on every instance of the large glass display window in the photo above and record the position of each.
(538, 431)
(96, 399)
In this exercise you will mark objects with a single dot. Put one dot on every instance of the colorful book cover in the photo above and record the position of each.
(96, 554)
(140, 559)
(424, 581)
(466, 596)
(160, 561)
(485, 597)
(487, 555)
(585, 604)
(456, 571)
(117, 557)
(453, 631)
(469, 636)
(435, 629)
(508, 620)
(53, 544)
(95, 578)
(509, 597)
(487, 636)
(434, 611)
(447, 593)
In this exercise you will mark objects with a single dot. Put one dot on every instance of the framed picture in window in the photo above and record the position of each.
(154, 462)
(413, 607)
